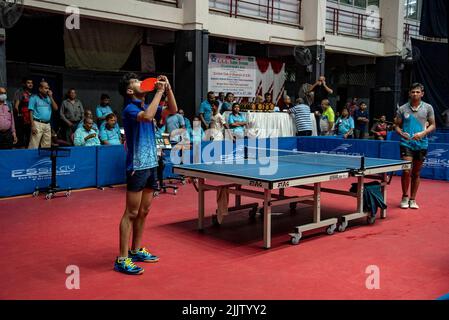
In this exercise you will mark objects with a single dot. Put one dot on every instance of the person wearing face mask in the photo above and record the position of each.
(103, 109)
(7, 127)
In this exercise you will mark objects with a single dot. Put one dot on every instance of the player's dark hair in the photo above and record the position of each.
(417, 85)
(124, 83)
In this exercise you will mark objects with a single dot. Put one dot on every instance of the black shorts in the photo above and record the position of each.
(417, 155)
(138, 180)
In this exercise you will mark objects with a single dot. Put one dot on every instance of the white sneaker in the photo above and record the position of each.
(413, 204)
(405, 203)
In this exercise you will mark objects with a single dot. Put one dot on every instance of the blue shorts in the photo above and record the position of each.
(138, 180)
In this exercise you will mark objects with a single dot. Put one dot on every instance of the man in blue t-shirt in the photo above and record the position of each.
(103, 109)
(361, 118)
(205, 112)
(415, 120)
(141, 166)
(41, 107)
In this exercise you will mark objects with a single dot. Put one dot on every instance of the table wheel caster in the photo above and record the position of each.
(36, 193)
(68, 193)
(48, 196)
(295, 238)
(342, 226)
(331, 229)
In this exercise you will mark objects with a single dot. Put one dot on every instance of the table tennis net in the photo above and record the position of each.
(301, 157)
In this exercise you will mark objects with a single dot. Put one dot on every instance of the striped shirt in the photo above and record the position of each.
(302, 117)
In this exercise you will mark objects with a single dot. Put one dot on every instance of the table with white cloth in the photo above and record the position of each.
(271, 124)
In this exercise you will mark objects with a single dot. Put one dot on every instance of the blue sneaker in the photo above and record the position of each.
(127, 266)
(142, 256)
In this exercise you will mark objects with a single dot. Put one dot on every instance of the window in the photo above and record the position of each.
(358, 3)
(412, 9)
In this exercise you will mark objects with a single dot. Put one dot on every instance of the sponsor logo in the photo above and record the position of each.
(338, 176)
(283, 184)
(343, 150)
(41, 170)
(435, 159)
(255, 184)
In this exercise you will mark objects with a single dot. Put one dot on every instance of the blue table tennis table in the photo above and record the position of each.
(272, 170)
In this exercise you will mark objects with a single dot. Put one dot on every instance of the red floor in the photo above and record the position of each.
(40, 238)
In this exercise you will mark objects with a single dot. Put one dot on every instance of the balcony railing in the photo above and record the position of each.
(411, 30)
(353, 24)
(287, 12)
(173, 3)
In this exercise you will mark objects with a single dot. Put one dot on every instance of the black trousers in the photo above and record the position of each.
(6, 139)
(305, 133)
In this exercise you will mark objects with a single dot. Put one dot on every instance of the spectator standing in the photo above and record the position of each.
(327, 119)
(8, 135)
(227, 104)
(86, 136)
(103, 109)
(41, 107)
(361, 120)
(320, 91)
(22, 114)
(217, 124)
(237, 122)
(301, 112)
(173, 123)
(71, 113)
(205, 112)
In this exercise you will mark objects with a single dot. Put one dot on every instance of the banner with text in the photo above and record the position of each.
(229, 73)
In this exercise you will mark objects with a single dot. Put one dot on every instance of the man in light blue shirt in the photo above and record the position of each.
(237, 122)
(172, 123)
(41, 106)
(86, 136)
(205, 112)
(103, 109)
(110, 131)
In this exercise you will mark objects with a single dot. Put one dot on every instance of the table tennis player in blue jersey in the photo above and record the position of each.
(141, 166)
(415, 120)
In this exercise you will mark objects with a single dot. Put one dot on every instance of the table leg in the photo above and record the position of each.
(238, 198)
(267, 219)
(317, 203)
(360, 189)
(383, 212)
(200, 203)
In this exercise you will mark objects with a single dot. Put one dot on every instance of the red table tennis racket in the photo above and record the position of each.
(148, 84)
